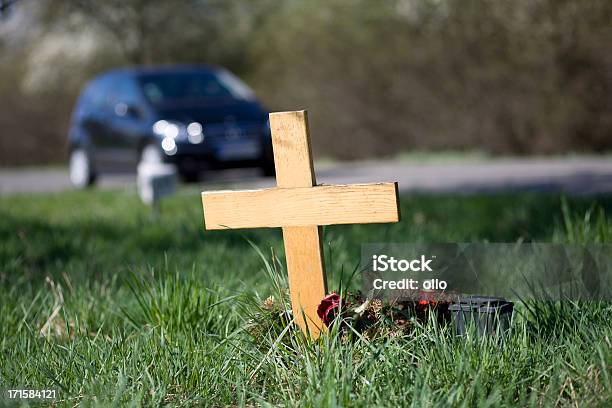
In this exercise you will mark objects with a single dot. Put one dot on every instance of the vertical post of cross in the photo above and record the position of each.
(303, 245)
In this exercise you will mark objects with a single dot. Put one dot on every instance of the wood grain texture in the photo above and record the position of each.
(303, 245)
(292, 152)
(306, 272)
(301, 206)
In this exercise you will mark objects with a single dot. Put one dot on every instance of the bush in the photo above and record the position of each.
(505, 77)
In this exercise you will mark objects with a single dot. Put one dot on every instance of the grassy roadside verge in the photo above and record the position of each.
(105, 304)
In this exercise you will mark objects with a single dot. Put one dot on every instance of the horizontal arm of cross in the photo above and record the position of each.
(301, 206)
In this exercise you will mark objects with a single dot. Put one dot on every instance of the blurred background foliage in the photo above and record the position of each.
(379, 77)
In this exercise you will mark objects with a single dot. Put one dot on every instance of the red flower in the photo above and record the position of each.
(428, 298)
(328, 309)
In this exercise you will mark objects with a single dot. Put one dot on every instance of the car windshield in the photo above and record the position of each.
(197, 86)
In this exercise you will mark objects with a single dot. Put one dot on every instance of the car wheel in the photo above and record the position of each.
(80, 169)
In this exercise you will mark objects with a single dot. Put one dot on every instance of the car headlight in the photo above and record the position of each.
(195, 133)
(172, 130)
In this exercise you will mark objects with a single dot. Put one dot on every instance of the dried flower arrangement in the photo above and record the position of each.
(370, 317)
(396, 315)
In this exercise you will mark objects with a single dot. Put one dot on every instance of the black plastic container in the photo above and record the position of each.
(489, 315)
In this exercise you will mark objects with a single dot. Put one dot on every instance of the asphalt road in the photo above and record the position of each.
(576, 176)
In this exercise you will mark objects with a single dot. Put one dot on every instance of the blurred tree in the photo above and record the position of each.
(159, 31)
(503, 76)
(380, 77)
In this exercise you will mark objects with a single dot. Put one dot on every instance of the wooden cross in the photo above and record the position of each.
(300, 207)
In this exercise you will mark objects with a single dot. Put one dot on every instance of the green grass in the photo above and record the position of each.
(110, 306)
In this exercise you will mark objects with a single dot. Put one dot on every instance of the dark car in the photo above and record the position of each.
(196, 117)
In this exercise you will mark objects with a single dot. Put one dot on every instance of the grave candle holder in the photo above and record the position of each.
(488, 315)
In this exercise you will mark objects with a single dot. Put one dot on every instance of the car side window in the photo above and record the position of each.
(100, 96)
(94, 98)
(125, 99)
